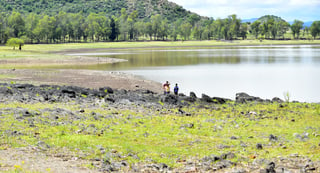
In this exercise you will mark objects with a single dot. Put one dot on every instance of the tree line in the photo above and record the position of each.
(76, 27)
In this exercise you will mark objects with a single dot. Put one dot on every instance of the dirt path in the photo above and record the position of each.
(32, 160)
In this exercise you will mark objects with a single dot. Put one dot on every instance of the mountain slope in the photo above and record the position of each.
(145, 8)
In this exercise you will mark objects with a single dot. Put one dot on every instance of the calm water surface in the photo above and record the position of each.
(264, 71)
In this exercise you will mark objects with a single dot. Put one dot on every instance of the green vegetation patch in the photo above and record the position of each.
(165, 136)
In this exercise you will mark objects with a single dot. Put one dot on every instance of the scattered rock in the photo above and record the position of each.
(246, 98)
(278, 100)
(273, 138)
(193, 95)
(228, 155)
(259, 146)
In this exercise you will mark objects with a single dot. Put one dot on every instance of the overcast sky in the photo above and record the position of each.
(305, 10)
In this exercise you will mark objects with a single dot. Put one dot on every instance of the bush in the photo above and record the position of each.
(15, 42)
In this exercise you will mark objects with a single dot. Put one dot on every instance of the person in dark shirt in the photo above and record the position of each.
(176, 89)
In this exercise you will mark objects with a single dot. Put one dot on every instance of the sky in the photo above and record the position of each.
(289, 10)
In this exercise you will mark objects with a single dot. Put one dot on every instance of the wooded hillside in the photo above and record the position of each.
(145, 8)
(59, 21)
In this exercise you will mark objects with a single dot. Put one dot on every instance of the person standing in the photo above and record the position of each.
(176, 89)
(166, 88)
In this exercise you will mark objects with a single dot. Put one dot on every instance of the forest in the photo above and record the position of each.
(129, 24)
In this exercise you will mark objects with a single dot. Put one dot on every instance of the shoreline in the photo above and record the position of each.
(19, 69)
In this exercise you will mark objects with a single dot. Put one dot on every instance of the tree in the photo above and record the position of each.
(174, 30)
(17, 23)
(32, 22)
(132, 19)
(315, 29)
(62, 21)
(233, 26)
(149, 30)
(114, 30)
(193, 19)
(243, 30)
(296, 27)
(156, 24)
(124, 24)
(164, 29)
(15, 42)
(283, 27)
(185, 30)
(255, 28)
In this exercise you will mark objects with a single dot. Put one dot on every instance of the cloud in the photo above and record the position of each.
(287, 9)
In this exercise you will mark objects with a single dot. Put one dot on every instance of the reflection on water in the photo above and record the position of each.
(264, 71)
(234, 55)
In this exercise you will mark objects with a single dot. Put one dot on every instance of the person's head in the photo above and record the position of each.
(167, 82)
(176, 84)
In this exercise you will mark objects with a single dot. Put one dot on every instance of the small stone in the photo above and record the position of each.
(273, 138)
(259, 146)
(233, 138)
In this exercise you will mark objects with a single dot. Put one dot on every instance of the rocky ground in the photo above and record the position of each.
(37, 158)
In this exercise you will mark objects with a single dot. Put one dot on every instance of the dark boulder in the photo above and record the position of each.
(193, 95)
(171, 99)
(69, 92)
(206, 98)
(276, 99)
(245, 98)
(23, 86)
(219, 100)
(107, 90)
(187, 99)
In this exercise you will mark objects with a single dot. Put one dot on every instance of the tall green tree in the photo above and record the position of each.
(283, 27)
(234, 26)
(132, 19)
(156, 24)
(243, 30)
(114, 30)
(32, 22)
(255, 28)
(193, 19)
(149, 30)
(62, 20)
(164, 29)
(315, 29)
(17, 23)
(124, 24)
(296, 28)
(185, 30)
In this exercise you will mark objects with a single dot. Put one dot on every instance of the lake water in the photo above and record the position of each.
(263, 71)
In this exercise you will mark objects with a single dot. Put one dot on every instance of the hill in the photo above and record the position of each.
(145, 9)
(265, 18)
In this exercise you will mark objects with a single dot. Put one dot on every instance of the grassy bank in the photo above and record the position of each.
(44, 48)
(166, 136)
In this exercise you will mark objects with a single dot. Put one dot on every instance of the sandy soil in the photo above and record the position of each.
(71, 60)
(33, 160)
(83, 78)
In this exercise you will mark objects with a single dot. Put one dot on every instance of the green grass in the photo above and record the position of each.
(45, 48)
(166, 136)
(5, 76)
